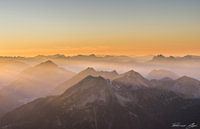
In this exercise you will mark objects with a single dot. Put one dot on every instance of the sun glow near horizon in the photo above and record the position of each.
(30, 28)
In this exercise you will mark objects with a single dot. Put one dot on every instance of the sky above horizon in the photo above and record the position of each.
(116, 27)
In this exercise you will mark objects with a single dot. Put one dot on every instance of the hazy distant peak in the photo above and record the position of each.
(89, 69)
(160, 56)
(131, 73)
(173, 58)
(90, 77)
(92, 55)
(163, 58)
(115, 72)
(51, 56)
(189, 56)
(47, 63)
(59, 56)
(186, 79)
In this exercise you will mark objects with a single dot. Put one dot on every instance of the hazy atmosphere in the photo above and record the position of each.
(99, 64)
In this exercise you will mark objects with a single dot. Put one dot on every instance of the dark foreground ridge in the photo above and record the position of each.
(97, 103)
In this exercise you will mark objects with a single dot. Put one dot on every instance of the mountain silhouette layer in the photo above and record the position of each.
(97, 103)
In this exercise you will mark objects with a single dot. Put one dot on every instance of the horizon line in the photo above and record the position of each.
(97, 55)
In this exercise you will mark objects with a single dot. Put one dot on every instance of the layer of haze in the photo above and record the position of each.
(129, 27)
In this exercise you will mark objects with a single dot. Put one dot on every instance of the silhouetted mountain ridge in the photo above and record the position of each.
(173, 58)
(97, 103)
(88, 71)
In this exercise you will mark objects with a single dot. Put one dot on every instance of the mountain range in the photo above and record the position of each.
(97, 103)
(48, 96)
(173, 58)
(181, 65)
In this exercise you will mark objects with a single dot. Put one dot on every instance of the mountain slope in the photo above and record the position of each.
(96, 103)
(89, 71)
(9, 70)
(32, 83)
(185, 85)
(40, 79)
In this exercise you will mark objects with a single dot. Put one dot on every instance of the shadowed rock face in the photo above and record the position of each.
(97, 103)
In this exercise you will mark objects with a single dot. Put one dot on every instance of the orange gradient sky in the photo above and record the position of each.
(106, 27)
